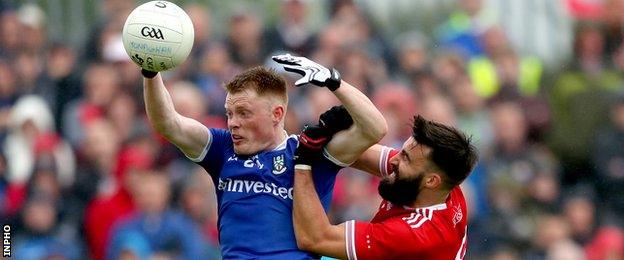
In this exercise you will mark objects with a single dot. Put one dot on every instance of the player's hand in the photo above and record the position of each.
(311, 142)
(148, 73)
(336, 119)
(311, 71)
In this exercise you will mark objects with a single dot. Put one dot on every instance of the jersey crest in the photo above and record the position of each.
(457, 215)
(279, 166)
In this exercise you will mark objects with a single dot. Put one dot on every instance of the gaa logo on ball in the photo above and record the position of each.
(158, 35)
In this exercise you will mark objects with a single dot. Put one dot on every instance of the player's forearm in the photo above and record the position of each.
(366, 117)
(159, 105)
(309, 218)
(312, 228)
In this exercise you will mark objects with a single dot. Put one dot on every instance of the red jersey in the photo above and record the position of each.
(397, 232)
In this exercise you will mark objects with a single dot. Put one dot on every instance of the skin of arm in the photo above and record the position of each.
(369, 125)
(369, 161)
(189, 135)
(313, 230)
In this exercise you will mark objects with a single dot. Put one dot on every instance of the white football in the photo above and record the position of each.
(158, 35)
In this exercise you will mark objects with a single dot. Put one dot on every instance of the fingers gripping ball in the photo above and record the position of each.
(158, 35)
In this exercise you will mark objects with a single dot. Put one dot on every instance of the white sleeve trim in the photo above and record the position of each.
(461, 252)
(350, 239)
(383, 160)
(205, 151)
(333, 159)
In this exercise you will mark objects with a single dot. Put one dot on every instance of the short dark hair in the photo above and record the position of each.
(263, 80)
(451, 151)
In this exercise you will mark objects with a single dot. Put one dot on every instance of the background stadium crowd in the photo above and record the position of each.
(538, 84)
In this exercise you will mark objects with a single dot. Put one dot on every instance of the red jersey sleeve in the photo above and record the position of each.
(390, 240)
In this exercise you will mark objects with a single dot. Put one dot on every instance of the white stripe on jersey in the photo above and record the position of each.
(412, 216)
(350, 239)
(462, 249)
(419, 217)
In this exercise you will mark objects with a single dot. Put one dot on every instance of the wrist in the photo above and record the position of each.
(301, 166)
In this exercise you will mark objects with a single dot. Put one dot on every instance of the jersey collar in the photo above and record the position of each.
(282, 145)
(440, 206)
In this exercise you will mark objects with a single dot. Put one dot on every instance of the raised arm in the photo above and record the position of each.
(368, 127)
(187, 134)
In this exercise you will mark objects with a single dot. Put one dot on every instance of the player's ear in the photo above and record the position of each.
(278, 113)
(433, 180)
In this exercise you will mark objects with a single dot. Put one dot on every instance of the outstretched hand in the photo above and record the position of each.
(310, 71)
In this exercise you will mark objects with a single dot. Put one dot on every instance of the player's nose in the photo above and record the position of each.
(233, 123)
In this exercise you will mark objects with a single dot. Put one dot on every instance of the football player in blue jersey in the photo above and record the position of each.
(252, 162)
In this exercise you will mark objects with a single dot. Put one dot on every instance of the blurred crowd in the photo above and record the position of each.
(538, 84)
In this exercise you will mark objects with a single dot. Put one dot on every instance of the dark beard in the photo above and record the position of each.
(400, 191)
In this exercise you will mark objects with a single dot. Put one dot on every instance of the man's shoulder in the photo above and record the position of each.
(442, 217)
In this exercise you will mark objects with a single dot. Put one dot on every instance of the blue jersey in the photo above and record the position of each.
(255, 196)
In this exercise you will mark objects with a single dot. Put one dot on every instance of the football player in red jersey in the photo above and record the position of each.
(423, 214)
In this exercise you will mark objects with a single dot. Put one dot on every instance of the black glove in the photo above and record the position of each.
(336, 119)
(311, 71)
(311, 142)
(148, 73)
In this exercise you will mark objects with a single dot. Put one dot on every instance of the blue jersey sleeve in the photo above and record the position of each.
(213, 156)
(324, 176)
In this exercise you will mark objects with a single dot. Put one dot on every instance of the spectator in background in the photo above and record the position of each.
(461, 32)
(112, 14)
(201, 17)
(291, 33)
(412, 56)
(613, 28)
(124, 115)
(10, 27)
(578, 95)
(397, 103)
(97, 155)
(8, 96)
(40, 238)
(167, 233)
(551, 240)
(472, 115)
(608, 159)
(439, 108)
(114, 54)
(215, 68)
(100, 84)
(116, 202)
(550, 36)
(3, 185)
(33, 34)
(62, 80)
(244, 41)
(521, 180)
(198, 201)
(32, 131)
